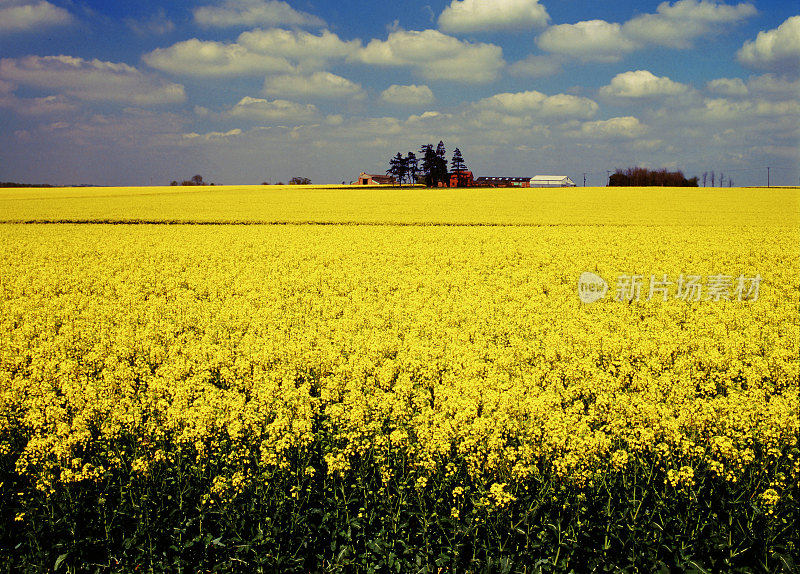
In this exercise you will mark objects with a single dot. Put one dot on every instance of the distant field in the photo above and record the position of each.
(332, 204)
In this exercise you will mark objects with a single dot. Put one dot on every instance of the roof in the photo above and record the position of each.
(549, 177)
(378, 176)
(493, 178)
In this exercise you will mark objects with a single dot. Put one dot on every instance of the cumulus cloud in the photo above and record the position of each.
(92, 80)
(536, 67)
(430, 54)
(589, 41)
(272, 110)
(615, 128)
(478, 15)
(435, 56)
(673, 25)
(157, 25)
(642, 84)
(726, 110)
(298, 46)
(775, 50)
(21, 16)
(537, 103)
(33, 106)
(412, 95)
(677, 25)
(213, 59)
(766, 85)
(253, 13)
(254, 53)
(319, 85)
(728, 86)
(770, 84)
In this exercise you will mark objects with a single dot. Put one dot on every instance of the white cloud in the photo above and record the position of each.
(255, 53)
(412, 95)
(673, 25)
(33, 106)
(590, 41)
(39, 106)
(319, 85)
(536, 67)
(642, 84)
(766, 85)
(31, 16)
(725, 110)
(537, 103)
(479, 15)
(304, 48)
(253, 13)
(776, 50)
(435, 56)
(272, 110)
(92, 80)
(677, 25)
(156, 25)
(615, 128)
(770, 84)
(211, 136)
(213, 59)
(728, 86)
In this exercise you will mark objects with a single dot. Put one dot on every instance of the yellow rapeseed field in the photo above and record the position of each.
(421, 347)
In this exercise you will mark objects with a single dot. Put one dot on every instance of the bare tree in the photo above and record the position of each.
(705, 178)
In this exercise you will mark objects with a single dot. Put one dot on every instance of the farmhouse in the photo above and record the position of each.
(375, 179)
(485, 181)
(551, 181)
(461, 178)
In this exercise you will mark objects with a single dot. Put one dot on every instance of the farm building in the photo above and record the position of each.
(484, 181)
(461, 178)
(375, 179)
(551, 181)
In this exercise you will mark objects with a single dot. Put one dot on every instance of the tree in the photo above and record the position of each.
(705, 178)
(197, 180)
(639, 176)
(458, 167)
(428, 163)
(412, 167)
(299, 181)
(174, 182)
(712, 178)
(397, 168)
(440, 165)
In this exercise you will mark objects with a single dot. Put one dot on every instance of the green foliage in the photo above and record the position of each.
(290, 520)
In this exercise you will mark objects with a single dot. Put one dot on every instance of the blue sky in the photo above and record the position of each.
(245, 91)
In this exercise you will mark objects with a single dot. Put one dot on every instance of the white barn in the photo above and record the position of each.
(551, 181)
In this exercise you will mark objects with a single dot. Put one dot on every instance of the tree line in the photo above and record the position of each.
(196, 180)
(643, 177)
(429, 168)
